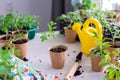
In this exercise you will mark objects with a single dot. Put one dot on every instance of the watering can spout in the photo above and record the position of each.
(86, 34)
(77, 27)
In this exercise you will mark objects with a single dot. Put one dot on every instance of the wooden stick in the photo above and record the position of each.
(72, 71)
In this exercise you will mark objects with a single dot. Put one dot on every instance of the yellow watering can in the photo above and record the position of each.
(86, 34)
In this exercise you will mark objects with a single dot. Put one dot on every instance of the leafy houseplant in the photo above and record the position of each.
(6, 54)
(50, 33)
(21, 43)
(98, 54)
(73, 17)
(27, 22)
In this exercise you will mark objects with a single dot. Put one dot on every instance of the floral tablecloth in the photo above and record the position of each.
(24, 71)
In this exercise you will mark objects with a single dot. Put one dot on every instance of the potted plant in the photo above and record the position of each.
(98, 54)
(70, 34)
(27, 23)
(113, 69)
(113, 35)
(31, 23)
(63, 21)
(21, 43)
(57, 52)
(5, 22)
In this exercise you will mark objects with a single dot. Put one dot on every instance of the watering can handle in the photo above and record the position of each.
(96, 23)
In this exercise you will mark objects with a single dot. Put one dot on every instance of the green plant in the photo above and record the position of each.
(72, 17)
(50, 33)
(85, 4)
(6, 55)
(114, 31)
(29, 21)
(101, 50)
(5, 22)
(22, 22)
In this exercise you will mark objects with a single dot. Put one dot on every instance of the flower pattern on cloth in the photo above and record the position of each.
(24, 71)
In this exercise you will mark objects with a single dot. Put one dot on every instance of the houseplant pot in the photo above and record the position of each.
(112, 48)
(6, 38)
(32, 32)
(24, 32)
(22, 45)
(95, 61)
(58, 56)
(70, 35)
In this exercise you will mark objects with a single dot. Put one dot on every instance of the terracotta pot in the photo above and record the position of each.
(111, 50)
(70, 35)
(3, 40)
(25, 33)
(95, 63)
(23, 47)
(58, 58)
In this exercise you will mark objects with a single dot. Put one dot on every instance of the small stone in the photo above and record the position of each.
(68, 55)
(60, 73)
(74, 51)
(40, 60)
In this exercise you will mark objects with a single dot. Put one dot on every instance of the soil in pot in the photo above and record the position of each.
(58, 50)
(22, 45)
(58, 56)
(5, 38)
(21, 41)
(25, 33)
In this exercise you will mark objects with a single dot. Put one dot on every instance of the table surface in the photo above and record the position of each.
(39, 57)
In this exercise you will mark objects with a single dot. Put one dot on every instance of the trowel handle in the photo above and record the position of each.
(72, 71)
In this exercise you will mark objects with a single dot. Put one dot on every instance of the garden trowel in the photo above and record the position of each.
(74, 67)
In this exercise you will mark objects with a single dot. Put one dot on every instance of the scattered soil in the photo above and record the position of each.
(25, 59)
(40, 60)
(78, 71)
(58, 49)
(68, 55)
(116, 46)
(74, 51)
(21, 41)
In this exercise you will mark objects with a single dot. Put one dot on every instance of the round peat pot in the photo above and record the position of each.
(32, 32)
(22, 45)
(58, 56)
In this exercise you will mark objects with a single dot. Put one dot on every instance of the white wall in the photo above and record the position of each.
(34, 7)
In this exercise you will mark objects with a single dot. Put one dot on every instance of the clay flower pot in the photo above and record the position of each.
(95, 63)
(58, 56)
(25, 33)
(111, 50)
(22, 45)
(6, 38)
(70, 35)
